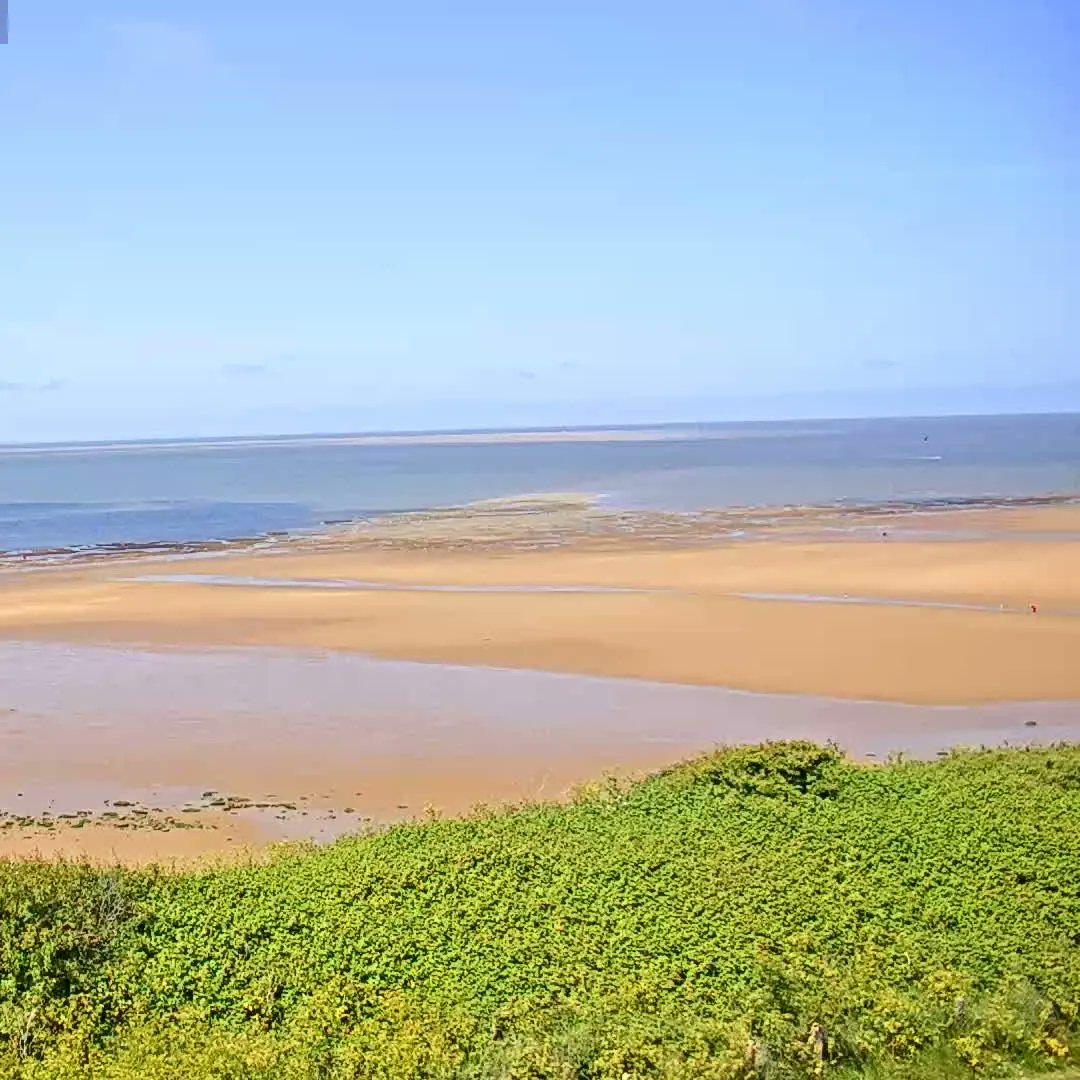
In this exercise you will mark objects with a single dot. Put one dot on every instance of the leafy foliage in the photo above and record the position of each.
(697, 924)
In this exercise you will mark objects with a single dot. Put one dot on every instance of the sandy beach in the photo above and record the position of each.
(850, 618)
(883, 614)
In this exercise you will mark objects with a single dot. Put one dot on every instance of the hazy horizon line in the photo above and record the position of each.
(279, 437)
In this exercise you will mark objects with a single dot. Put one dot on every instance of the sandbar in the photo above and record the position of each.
(940, 621)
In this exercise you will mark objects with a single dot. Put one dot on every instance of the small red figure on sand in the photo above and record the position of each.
(1034, 609)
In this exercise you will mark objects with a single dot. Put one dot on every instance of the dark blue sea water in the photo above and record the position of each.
(85, 495)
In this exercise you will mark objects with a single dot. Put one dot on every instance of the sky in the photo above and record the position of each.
(251, 217)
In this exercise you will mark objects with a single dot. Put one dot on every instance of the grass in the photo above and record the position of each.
(695, 924)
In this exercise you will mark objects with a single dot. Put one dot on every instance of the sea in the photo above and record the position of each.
(60, 497)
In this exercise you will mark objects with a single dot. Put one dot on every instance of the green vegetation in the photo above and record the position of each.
(696, 924)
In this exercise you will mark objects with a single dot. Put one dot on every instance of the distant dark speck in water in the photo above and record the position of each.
(1031, 723)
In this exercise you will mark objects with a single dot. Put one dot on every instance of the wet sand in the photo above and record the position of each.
(288, 675)
(306, 744)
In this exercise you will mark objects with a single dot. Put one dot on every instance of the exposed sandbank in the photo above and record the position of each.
(677, 612)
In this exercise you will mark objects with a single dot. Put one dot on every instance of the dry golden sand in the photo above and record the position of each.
(686, 623)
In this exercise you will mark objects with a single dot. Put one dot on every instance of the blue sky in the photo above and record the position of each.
(233, 217)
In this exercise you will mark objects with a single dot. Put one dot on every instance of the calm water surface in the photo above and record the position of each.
(75, 496)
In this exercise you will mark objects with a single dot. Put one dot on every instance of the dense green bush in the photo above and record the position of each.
(696, 924)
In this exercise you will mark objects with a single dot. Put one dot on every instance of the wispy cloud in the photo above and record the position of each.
(10, 386)
(245, 370)
(162, 46)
